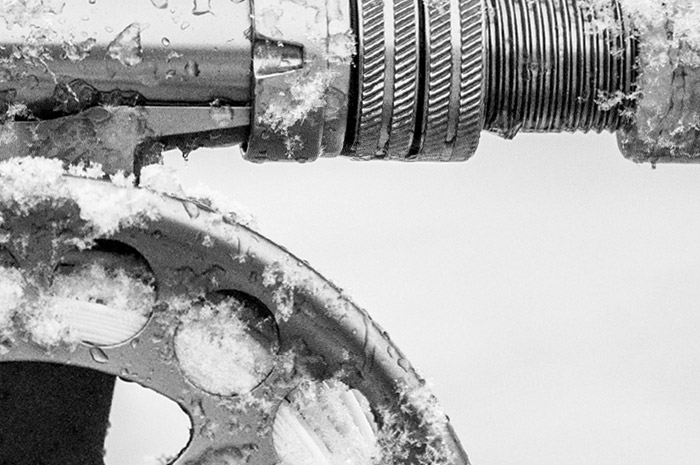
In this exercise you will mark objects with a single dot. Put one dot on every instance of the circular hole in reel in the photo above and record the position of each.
(102, 297)
(226, 343)
(323, 423)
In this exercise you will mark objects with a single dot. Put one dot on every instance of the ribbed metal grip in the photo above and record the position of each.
(434, 73)
(420, 81)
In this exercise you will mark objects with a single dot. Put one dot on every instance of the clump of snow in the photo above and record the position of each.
(303, 95)
(416, 430)
(325, 423)
(114, 288)
(283, 281)
(216, 350)
(11, 296)
(27, 183)
(92, 304)
(667, 114)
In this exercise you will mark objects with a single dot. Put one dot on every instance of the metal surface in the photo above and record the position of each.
(84, 50)
(401, 80)
(548, 68)
(420, 80)
(302, 53)
(193, 251)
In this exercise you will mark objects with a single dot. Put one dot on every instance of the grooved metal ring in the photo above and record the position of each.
(471, 77)
(440, 67)
(392, 94)
(372, 73)
(405, 98)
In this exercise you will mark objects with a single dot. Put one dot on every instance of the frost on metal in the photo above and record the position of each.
(668, 111)
(93, 305)
(28, 183)
(303, 95)
(402, 442)
(216, 350)
(325, 423)
(667, 99)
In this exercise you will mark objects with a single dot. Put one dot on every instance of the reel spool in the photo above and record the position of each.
(180, 298)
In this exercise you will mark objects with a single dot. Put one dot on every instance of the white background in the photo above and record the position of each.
(548, 287)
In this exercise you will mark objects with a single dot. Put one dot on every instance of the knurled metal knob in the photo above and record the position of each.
(420, 79)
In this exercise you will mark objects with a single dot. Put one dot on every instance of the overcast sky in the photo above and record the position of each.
(548, 287)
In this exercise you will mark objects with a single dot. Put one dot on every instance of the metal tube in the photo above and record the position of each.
(59, 60)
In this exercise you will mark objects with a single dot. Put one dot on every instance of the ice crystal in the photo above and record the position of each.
(304, 95)
(126, 47)
(78, 51)
(415, 430)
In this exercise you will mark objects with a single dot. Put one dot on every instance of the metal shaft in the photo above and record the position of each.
(371, 79)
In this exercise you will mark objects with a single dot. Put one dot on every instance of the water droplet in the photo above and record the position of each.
(171, 73)
(92, 2)
(165, 41)
(160, 4)
(109, 29)
(184, 25)
(134, 343)
(201, 7)
(403, 363)
(390, 351)
(85, 18)
(126, 47)
(192, 68)
(191, 209)
(98, 355)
